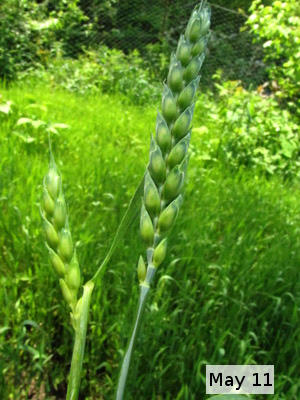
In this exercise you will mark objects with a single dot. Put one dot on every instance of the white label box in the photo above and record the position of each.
(239, 379)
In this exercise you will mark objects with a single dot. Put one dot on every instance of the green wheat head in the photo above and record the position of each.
(167, 167)
(58, 239)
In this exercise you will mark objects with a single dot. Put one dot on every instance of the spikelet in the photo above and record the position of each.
(166, 170)
(58, 238)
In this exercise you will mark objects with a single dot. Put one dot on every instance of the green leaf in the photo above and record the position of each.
(267, 44)
(287, 148)
(3, 329)
(61, 126)
(50, 23)
(29, 322)
(51, 129)
(37, 106)
(201, 130)
(25, 139)
(38, 123)
(6, 108)
(131, 213)
(23, 121)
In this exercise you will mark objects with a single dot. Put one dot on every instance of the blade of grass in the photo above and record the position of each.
(130, 215)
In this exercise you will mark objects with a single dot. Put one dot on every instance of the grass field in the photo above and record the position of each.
(227, 293)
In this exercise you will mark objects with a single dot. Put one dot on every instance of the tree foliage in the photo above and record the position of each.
(278, 27)
(31, 31)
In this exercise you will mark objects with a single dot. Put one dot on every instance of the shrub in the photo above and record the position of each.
(107, 70)
(18, 47)
(278, 27)
(30, 32)
(249, 130)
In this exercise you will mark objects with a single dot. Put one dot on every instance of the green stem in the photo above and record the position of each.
(78, 350)
(144, 290)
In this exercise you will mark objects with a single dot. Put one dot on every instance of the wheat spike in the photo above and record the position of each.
(58, 238)
(166, 170)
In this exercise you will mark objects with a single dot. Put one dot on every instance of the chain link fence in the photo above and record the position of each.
(34, 31)
(155, 30)
(231, 49)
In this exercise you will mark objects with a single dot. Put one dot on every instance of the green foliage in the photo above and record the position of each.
(278, 27)
(73, 30)
(30, 32)
(18, 42)
(107, 71)
(253, 132)
(127, 25)
(244, 129)
(238, 4)
(156, 57)
(126, 75)
(231, 49)
(231, 273)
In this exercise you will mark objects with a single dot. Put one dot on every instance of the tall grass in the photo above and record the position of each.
(229, 291)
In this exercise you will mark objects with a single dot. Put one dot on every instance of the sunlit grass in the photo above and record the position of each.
(228, 292)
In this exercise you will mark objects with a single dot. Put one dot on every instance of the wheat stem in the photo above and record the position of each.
(63, 258)
(167, 167)
(79, 344)
(144, 290)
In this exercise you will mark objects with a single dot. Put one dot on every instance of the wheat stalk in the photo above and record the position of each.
(59, 240)
(162, 197)
(167, 166)
(63, 258)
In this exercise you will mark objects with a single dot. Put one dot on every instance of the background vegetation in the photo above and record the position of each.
(228, 292)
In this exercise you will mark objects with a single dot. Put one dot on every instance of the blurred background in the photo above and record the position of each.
(90, 73)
